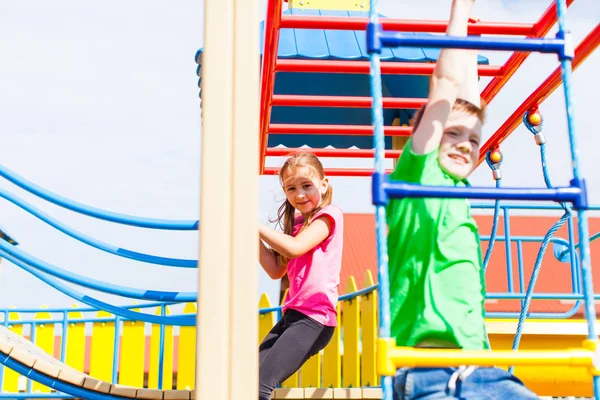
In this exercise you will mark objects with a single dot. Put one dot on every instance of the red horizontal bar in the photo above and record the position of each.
(333, 171)
(541, 28)
(344, 101)
(353, 153)
(363, 67)
(585, 48)
(360, 24)
(354, 130)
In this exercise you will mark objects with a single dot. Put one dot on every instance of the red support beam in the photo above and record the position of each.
(335, 153)
(271, 46)
(541, 28)
(585, 48)
(344, 101)
(333, 171)
(351, 130)
(363, 67)
(402, 25)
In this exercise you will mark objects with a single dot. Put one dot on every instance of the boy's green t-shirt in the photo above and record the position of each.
(435, 269)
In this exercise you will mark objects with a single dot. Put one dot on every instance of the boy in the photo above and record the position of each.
(436, 278)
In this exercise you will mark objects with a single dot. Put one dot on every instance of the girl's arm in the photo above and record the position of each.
(269, 262)
(295, 246)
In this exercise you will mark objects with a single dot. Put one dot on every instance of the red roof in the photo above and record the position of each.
(554, 277)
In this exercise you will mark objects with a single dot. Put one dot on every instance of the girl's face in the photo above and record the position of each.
(303, 190)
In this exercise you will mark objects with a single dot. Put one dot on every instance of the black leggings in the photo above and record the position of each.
(292, 341)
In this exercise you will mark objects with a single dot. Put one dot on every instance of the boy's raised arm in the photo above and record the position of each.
(447, 82)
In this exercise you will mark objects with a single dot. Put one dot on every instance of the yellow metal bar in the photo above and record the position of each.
(103, 344)
(546, 335)
(292, 381)
(368, 323)
(391, 357)
(44, 338)
(11, 378)
(332, 365)
(350, 324)
(131, 355)
(186, 353)
(167, 356)
(310, 373)
(265, 321)
(75, 351)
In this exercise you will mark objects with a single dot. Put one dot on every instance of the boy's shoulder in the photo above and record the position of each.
(419, 168)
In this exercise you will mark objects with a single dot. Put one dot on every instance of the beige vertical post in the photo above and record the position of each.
(227, 359)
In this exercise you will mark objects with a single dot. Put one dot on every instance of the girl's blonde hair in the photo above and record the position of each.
(286, 213)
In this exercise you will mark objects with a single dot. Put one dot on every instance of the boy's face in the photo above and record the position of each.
(459, 148)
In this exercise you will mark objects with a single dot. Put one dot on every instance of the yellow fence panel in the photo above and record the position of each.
(44, 338)
(265, 321)
(310, 373)
(75, 351)
(131, 353)
(11, 378)
(332, 365)
(292, 381)
(186, 353)
(102, 352)
(167, 374)
(350, 321)
(368, 323)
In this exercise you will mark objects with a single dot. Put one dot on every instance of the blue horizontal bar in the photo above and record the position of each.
(396, 39)
(516, 206)
(539, 296)
(403, 189)
(82, 309)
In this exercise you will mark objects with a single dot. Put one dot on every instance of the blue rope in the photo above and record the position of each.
(90, 283)
(171, 262)
(538, 262)
(492, 241)
(534, 276)
(120, 311)
(96, 212)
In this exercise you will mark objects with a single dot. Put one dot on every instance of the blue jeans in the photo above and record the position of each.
(452, 383)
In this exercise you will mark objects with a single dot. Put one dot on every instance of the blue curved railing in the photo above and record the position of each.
(33, 210)
(13, 254)
(90, 301)
(181, 225)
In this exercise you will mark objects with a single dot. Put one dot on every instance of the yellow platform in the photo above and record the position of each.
(546, 335)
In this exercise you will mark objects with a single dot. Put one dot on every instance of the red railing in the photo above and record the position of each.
(402, 25)
(353, 153)
(332, 171)
(363, 67)
(271, 65)
(344, 101)
(354, 130)
(541, 28)
(585, 48)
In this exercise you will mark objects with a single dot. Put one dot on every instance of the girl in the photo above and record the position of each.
(310, 251)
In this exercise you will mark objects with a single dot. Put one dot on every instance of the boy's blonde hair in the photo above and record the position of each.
(459, 105)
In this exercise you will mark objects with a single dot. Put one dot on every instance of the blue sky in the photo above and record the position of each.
(100, 104)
